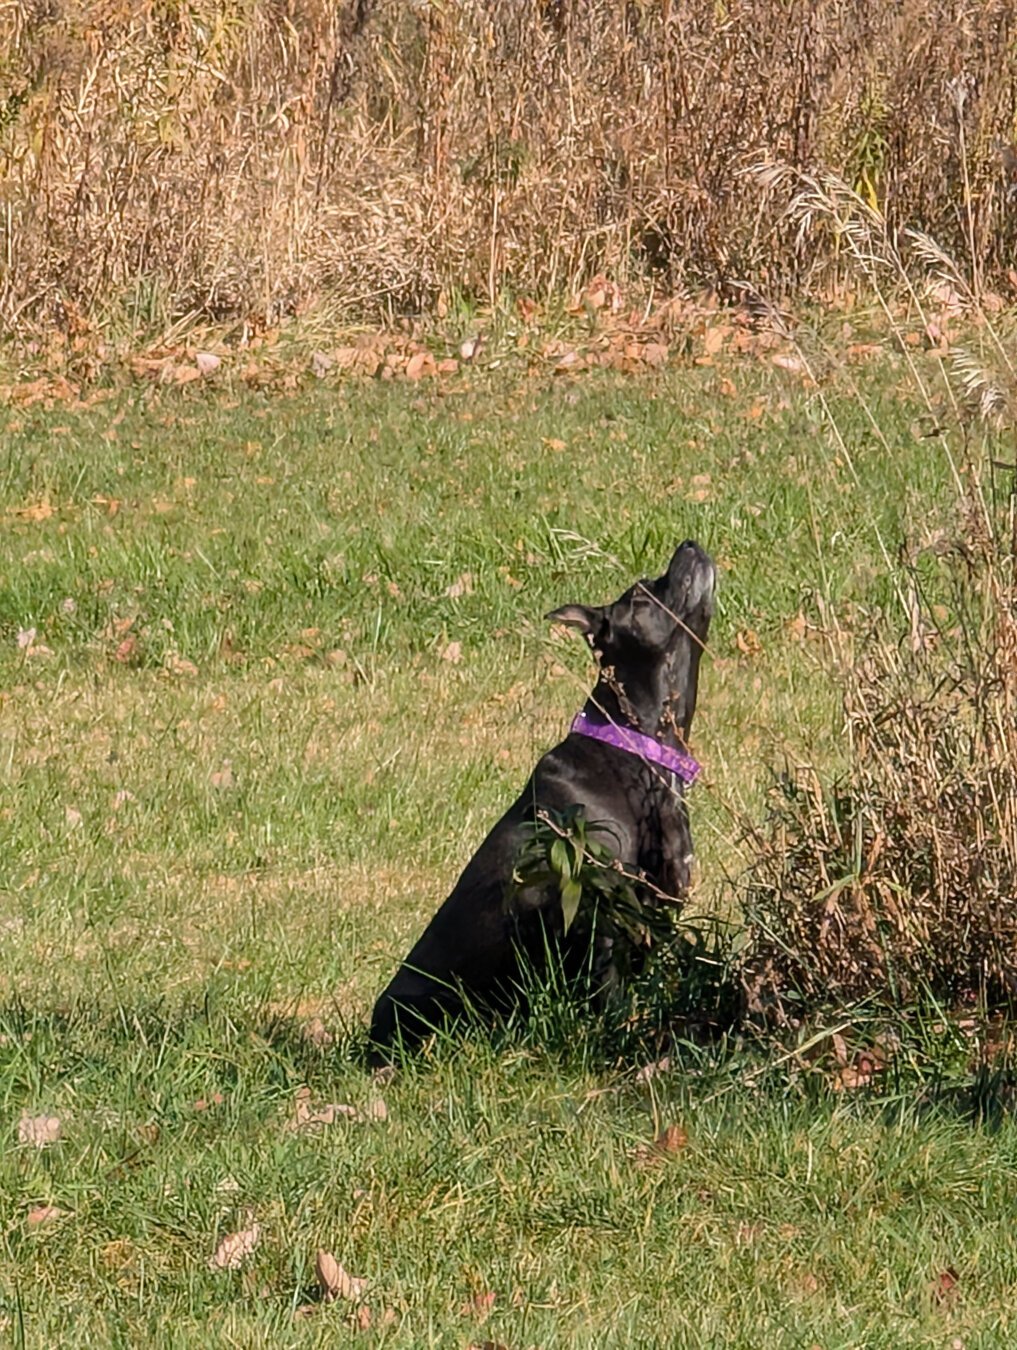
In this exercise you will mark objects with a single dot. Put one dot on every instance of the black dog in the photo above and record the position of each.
(623, 761)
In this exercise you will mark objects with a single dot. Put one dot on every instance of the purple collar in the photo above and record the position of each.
(625, 738)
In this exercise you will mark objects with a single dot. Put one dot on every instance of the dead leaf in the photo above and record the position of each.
(452, 653)
(851, 1077)
(650, 1071)
(944, 1285)
(235, 1248)
(222, 777)
(126, 650)
(306, 1117)
(419, 365)
(317, 1033)
(207, 362)
(715, 337)
(479, 1306)
(785, 361)
(38, 1130)
(26, 636)
(202, 1104)
(334, 1281)
(179, 665)
(43, 1214)
(72, 816)
(463, 585)
(667, 1144)
(470, 349)
(748, 643)
(553, 443)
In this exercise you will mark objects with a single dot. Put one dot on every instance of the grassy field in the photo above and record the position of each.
(269, 668)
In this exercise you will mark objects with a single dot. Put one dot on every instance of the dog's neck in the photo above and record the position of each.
(653, 712)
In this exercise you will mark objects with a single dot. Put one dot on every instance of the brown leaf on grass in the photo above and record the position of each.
(715, 337)
(650, 1071)
(419, 365)
(667, 1144)
(748, 643)
(463, 585)
(125, 652)
(222, 777)
(179, 665)
(851, 1077)
(43, 1214)
(334, 1281)
(235, 1248)
(202, 1104)
(72, 817)
(786, 361)
(944, 1285)
(470, 349)
(207, 362)
(38, 1131)
(317, 1033)
(36, 511)
(452, 653)
(479, 1306)
(306, 1117)
(553, 443)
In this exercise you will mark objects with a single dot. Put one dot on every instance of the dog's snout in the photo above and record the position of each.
(693, 569)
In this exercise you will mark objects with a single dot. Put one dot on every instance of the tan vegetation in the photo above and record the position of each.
(248, 159)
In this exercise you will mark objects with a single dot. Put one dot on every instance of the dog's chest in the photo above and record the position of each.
(663, 838)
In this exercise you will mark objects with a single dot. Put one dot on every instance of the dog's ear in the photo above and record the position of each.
(583, 617)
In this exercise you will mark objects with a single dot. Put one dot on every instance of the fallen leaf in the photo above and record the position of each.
(453, 653)
(37, 511)
(38, 1130)
(851, 1077)
(26, 636)
(470, 349)
(207, 362)
(944, 1284)
(305, 1116)
(235, 1248)
(463, 585)
(179, 665)
(650, 1071)
(334, 1281)
(747, 642)
(126, 650)
(669, 1142)
(795, 364)
(419, 365)
(43, 1214)
(479, 1306)
(222, 777)
(202, 1104)
(553, 443)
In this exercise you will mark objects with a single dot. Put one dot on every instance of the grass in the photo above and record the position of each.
(288, 666)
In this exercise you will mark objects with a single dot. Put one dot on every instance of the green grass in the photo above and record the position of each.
(234, 829)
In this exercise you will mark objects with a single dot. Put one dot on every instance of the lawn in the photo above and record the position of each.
(270, 666)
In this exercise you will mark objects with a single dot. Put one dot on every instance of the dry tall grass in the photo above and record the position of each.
(236, 158)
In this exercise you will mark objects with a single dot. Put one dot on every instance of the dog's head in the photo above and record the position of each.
(648, 645)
